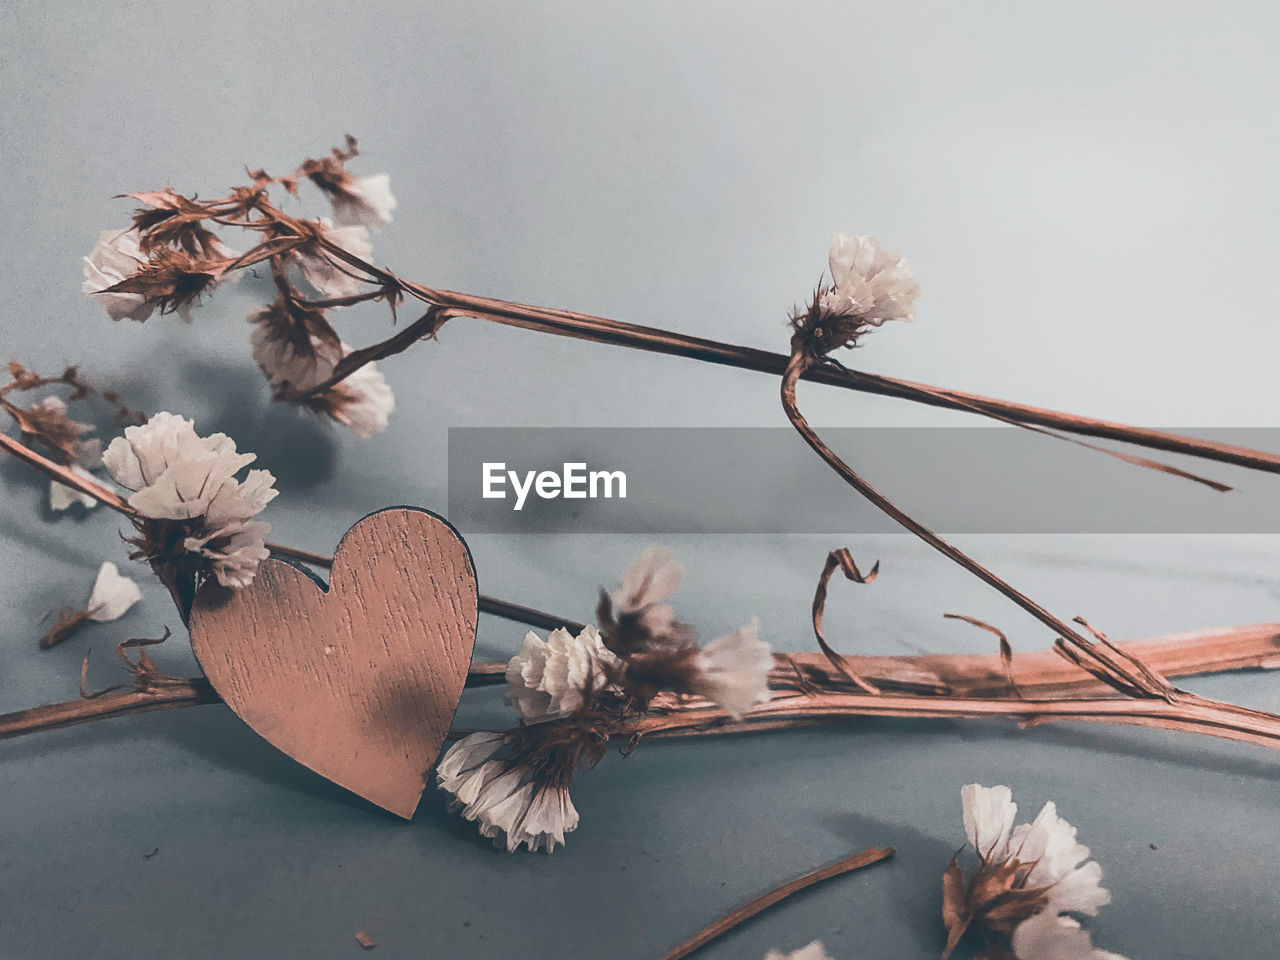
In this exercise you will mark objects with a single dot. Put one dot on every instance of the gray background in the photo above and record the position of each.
(1087, 194)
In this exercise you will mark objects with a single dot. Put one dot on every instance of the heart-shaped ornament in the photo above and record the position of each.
(360, 680)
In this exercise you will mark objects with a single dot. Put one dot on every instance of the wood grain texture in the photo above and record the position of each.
(359, 681)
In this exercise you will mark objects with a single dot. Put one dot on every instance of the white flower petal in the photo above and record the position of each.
(1047, 936)
(733, 670)
(546, 679)
(812, 951)
(113, 594)
(870, 283)
(988, 819)
(62, 497)
(367, 201)
(651, 579)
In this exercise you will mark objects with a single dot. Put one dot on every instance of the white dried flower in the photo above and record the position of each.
(365, 200)
(113, 594)
(812, 951)
(870, 284)
(1026, 873)
(733, 670)
(502, 798)
(287, 363)
(1048, 936)
(116, 257)
(546, 679)
(327, 275)
(363, 401)
(177, 475)
(646, 585)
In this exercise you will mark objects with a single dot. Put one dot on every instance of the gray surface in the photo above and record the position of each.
(1088, 196)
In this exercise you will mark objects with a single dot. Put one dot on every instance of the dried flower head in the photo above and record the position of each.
(364, 200)
(116, 257)
(733, 671)
(194, 516)
(297, 351)
(362, 401)
(132, 283)
(869, 286)
(1023, 871)
(548, 679)
(507, 799)
(328, 276)
(636, 616)
(811, 951)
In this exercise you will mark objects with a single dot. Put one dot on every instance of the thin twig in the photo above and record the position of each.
(726, 923)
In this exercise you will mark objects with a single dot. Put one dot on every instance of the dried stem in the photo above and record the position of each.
(798, 364)
(726, 923)
(979, 678)
(655, 340)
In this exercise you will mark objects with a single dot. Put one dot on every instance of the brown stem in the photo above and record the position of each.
(971, 678)
(65, 475)
(654, 340)
(1191, 714)
(726, 923)
(795, 369)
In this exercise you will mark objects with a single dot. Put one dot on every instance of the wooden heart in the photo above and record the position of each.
(360, 680)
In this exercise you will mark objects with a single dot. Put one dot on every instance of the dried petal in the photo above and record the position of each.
(113, 594)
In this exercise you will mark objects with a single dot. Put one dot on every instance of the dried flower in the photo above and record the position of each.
(116, 257)
(812, 951)
(291, 359)
(330, 278)
(504, 797)
(1049, 936)
(364, 200)
(113, 594)
(195, 517)
(869, 286)
(110, 599)
(733, 670)
(362, 401)
(870, 283)
(1023, 871)
(547, 679)
(636, 616)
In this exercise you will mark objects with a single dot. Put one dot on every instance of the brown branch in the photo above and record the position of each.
(966, 676)
(726, 923)
(795, 368)
(654, 340)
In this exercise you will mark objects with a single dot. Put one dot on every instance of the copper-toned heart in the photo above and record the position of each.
(358, 681)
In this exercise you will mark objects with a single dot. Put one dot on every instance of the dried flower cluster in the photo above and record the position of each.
(170, 258)
(573, 692)
(48, 425)
(194, 519)
(869, 285)
(1029, 880)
